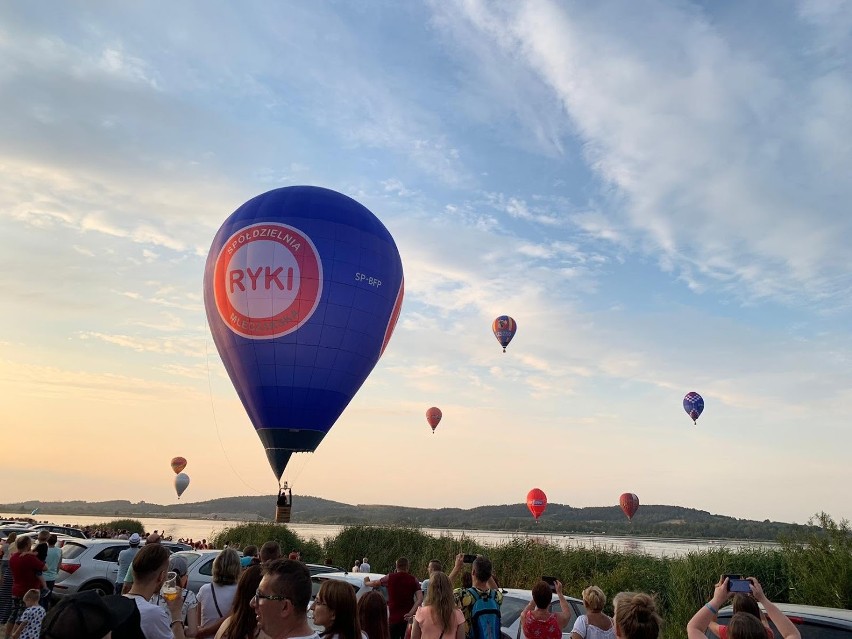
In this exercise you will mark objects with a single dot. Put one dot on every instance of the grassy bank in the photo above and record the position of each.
(816, 569)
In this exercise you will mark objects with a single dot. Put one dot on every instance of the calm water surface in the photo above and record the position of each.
(205, 528)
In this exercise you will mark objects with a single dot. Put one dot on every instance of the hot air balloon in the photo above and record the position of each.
(433, 416)
(302, 288)
(178, 464)
(181, 482)
(629, 503)
(536, 502)
(504, 328)
(693, 404)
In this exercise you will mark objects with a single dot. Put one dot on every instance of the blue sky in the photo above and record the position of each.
(658, 194)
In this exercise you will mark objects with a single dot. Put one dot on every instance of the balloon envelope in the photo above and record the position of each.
(178, 464)
(629, 503)
(302, 288)
(181, 482)
(504, 328)
(536, 502)
(693, 404)
(433, 417)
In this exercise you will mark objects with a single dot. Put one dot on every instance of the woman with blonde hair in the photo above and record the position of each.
(438, 617)
(216, 598)
(336, 610)
(594, 624)
(636, 617)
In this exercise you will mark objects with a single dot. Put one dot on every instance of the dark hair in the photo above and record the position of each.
(436, 565)
(41, 551)
(23, 543)
(373, 615)
(292, 580)
(270, 551)
(51, 541)
(467, 579)
(744, 625)
(637, 618)
(482, 568)
(243, 617)
(250, 551)
(542, 594)
(402, 563)
(149, 560)
(339, 597)
(746, 603)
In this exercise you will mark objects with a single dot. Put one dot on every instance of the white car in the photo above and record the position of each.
(514, 602)
(354, 579)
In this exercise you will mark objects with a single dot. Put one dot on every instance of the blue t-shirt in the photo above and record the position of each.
(54, 556)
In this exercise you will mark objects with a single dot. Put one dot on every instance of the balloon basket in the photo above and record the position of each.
(282, 514)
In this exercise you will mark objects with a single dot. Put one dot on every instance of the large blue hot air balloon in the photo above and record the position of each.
(693, 404)
(302, 287)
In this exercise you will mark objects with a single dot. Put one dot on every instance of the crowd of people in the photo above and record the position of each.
(263, 595)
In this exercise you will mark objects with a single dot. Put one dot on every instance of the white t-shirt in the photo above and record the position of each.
(365, 567)
(33, 616)
(224, 598)
(583, 628)
(189, 602)
(154, 620)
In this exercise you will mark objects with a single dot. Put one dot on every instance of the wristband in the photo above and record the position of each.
(710, 607)
(174, 621)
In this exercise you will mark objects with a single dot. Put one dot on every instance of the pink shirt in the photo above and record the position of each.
(431, 629)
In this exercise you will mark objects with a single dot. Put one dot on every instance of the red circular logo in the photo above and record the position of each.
(267, 281)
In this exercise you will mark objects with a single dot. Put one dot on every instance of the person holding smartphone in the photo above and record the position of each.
(743, 625)
(538, 622)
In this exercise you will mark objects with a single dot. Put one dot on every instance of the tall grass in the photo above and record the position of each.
(133, 525)
(804, 570)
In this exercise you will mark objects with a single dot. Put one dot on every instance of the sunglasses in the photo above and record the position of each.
(259, 595)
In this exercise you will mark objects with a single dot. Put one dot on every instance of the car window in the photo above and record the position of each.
(207, 568)
(71, 550)
(191, 557)
(555, 607)
(814, 631)
(110, 553)
(511, 609)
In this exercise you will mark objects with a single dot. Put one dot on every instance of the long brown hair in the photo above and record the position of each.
(243, 618)
(339, 597)
(439, 597)
(373, 615)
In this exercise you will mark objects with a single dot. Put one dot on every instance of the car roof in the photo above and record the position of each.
(349, 577)
(813, 612)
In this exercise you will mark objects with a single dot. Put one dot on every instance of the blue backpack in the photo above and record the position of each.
(485, 615)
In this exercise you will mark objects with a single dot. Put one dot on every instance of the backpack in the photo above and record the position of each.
(484, 615)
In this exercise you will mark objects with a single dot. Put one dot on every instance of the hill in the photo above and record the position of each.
(651, 520)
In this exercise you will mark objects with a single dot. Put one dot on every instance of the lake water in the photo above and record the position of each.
(205, 528)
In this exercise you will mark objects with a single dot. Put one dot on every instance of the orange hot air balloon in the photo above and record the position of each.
(536, 502)
(629, 503)
(433, 416)
(178, 464)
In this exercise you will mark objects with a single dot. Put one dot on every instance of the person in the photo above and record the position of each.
(295, 555)
(433, 566)
(241, 623)
(373, 615)
(594, 624)
(216, 598)
(357, 566)
(483, 591)
(438, 616)
(403, 589)
(6, 550)
(150, 568)
(365, 565)
(743, 625)
(125, 558)
(40, 551)
(536, 619)
(270, 551)
(29, 627)
(743, 603)
(189, 611)
(249, 557)
(281, 600)
(151, 539)
(26, 569)
(87, 615)
(636, 617)
(54, 557)
(336, 610)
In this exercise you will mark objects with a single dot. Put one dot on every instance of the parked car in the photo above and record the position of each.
(514, 602)
(33, 534)
(61, 530)
(92, 564)
(14, 528)
(813, 622)
(354, 579)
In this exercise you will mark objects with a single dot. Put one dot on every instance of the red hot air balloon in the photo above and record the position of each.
(536, 502)
(178, 464)
(629, 503)
(504, 328)
(433, 416)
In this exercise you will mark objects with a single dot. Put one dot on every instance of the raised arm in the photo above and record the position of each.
(784, 625)
(457, 567)
(564, 616)
(697, 626)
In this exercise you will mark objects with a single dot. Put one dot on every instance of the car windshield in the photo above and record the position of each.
(191, 557)
(71, 550)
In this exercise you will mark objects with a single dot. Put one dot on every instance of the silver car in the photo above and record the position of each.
(514, 602)
(812, 622)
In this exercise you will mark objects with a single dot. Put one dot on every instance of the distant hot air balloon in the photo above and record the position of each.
(302, 288)
(433, 416)
(181, 482)
(178, 464)
(504, 328)
(693, 404)
(629, 503)
(536, 502)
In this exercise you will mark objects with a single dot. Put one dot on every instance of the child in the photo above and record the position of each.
(29, 627)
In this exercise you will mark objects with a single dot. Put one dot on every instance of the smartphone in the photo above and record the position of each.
(736, 583)
(469, 559)
(551, 581)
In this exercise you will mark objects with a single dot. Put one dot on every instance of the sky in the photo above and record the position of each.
(657, 192)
